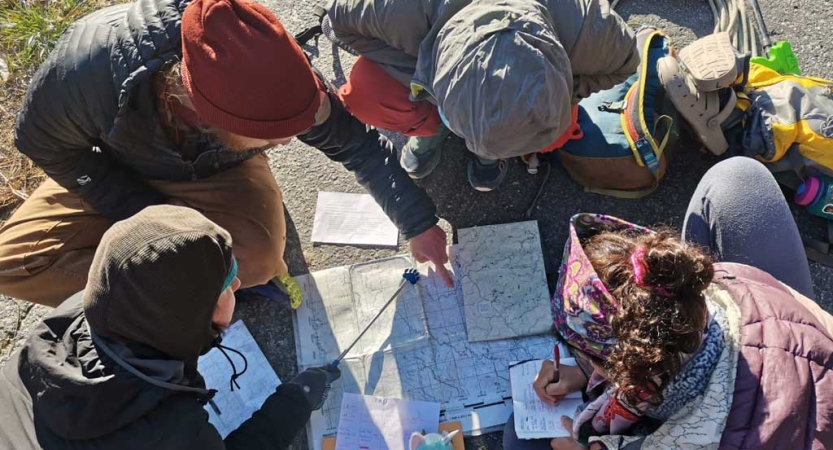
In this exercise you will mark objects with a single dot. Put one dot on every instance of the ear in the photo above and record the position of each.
(417, 439)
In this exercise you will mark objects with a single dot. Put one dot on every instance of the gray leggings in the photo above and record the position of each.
(738, 212)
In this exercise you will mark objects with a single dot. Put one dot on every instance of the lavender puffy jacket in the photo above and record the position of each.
(783, 396)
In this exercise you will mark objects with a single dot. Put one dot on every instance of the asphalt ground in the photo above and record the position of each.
(303, 171)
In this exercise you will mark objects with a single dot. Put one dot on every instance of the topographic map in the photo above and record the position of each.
(417, 350)
(501, 270)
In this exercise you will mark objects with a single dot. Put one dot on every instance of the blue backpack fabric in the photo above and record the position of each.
(627, 129)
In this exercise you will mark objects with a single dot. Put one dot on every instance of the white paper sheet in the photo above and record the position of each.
(535, 419)
(354, 219)
(379, 423)
(228, 410)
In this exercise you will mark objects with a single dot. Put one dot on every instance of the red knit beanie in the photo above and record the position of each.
(244, 73)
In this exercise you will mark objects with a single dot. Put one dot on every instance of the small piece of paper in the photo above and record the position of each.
(228, 410)
(354, 219)
(535, 419)
(379, 423)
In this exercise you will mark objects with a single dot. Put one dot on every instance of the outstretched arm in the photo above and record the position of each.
(372, 158)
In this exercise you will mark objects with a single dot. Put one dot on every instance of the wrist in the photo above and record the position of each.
(423, 226)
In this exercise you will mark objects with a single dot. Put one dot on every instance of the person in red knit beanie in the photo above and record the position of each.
(171, 101)
(244, 73)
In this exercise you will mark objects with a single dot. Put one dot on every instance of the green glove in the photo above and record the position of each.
(781, 59)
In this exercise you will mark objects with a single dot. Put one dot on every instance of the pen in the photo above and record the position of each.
(556, 353)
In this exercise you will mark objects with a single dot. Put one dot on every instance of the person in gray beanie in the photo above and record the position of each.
(505, 75)
(115, 365)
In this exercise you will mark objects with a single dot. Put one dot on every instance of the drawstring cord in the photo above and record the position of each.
(235, 375)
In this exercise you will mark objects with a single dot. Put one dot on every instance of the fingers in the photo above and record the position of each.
(563, 444)
(546, 398)
(557, 390)
(542, 380)
(567, 423)
(443, 271)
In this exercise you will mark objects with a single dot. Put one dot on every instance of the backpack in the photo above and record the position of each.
(788, 125)
(788, 120)
(627, 130)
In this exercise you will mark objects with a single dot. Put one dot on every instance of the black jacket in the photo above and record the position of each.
(61, 392)
(90, 122)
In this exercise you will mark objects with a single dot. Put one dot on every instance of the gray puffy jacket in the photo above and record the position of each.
(517, 65)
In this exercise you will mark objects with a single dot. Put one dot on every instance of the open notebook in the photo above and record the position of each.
(535, 419)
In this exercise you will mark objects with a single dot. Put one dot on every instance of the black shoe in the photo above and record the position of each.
(486, 177)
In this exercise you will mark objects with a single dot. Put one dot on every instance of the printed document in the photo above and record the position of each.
(228, 410)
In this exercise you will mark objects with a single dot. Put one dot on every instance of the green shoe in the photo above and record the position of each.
(421, 155)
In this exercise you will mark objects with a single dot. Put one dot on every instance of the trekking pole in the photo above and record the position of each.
(410, 276)
(759, 20)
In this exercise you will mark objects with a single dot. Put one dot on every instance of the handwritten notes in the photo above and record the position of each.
(535, 419)
(378, 423)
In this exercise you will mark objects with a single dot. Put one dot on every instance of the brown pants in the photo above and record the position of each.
(47, 246)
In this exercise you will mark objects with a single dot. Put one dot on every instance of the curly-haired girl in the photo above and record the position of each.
(675, 350)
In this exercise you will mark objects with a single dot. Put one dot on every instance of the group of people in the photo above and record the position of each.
(151, 120)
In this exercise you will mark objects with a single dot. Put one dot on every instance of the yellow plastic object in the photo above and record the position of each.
(293, 291)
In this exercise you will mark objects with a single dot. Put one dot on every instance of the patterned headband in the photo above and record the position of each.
(582, 306)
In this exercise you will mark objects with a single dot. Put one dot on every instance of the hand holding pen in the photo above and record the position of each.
(553, 381)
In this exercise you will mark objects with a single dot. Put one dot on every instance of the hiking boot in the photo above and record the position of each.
(486, 175)
(421, 155)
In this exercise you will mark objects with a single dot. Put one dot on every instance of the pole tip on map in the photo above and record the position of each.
(411, 275)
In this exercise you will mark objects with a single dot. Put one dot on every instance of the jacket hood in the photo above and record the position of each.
(155, 280)
(502, 77)
(78, 392)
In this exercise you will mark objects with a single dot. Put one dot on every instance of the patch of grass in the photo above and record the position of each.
(30, 28)
(28, 32)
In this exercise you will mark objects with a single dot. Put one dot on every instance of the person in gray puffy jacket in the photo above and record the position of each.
(504, 75)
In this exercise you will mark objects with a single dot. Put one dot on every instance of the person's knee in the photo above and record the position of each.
(510, 437)
(739, 171)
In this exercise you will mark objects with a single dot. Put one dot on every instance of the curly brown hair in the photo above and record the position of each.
(653, 331)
